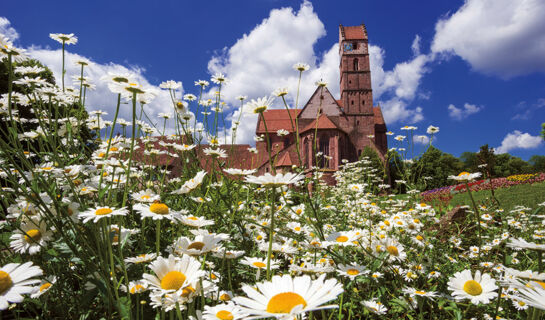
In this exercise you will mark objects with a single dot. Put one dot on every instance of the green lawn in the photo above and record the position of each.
(528, 195)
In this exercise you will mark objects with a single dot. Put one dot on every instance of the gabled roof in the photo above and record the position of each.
(326, 95)
(323, 123)
(284, 161)
(377, 115)
(355, 33)
(277, 119)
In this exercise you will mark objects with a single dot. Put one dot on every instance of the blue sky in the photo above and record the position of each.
(474, 68)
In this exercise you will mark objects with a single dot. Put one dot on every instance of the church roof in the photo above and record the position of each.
(277, 119)
(284, 161)
(323, 123)
(377, 115)
(354, 33)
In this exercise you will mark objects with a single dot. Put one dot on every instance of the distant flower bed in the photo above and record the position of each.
(486, 184)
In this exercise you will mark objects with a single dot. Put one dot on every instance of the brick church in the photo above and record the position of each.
(336, 129)
(342, 127)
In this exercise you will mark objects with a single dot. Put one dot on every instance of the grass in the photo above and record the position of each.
(529, 195)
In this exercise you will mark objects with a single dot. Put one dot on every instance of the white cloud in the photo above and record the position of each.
(421, 139)
(462, 113)
(416, 45)
(518, 140)
(395, 89)
(262, 61)
(7, 30)
(102, 98)
(501, 37)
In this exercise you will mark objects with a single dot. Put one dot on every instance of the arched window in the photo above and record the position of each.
(356, 67)
(324, 149)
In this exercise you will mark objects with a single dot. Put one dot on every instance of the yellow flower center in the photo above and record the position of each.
(299, 211)
(45, 286)
(284, 302)
(192, 218)
(260, 109)
(173, 280)
(187, 291)
(145, 197)
(392, 250)
(103, 211)
(159, 208)
(420, 292)
(419, 238)
(196, 245)
(137, 288)
(542, 284)
(47, 168)
(341, 239)
(5, 282)
(225, 297)
(352, 272)
(225, 315)
(259, 264)
(473, 288)
(33, 235)
(463, 174)
(297, 228)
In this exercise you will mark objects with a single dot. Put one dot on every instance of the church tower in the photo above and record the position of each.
(355, 86)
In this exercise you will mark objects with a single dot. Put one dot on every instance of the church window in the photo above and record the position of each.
(324, 149)
(362, 102)
(356, 67)
(267, 169)
(357, 122)
(354, 45)
(352, 102)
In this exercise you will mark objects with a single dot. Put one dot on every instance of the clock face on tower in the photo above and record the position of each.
(347, 47)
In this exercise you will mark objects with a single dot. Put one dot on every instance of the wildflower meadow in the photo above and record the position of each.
(95, 226)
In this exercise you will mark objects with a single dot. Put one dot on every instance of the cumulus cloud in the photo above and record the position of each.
(7, 30)
(262, 61)
(526, 110)
(518, 140)
(102, 98)
(421, 139)
(395, 89)
(464, 112)
(501, 37)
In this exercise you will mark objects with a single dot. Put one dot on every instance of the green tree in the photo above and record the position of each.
(438, 165)
(543, 130)
(538, 163)
(470, 160)
(507, 165)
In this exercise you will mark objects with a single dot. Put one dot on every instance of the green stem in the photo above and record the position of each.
(271, 233)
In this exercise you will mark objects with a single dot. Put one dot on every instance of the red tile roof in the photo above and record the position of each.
(277, 119)
(323, 123)
(377, 115)
(284, 161)
(354, 33)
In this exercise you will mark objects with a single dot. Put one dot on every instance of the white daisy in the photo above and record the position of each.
(191, 183)
(31, 237)
(141, 258)
(43, 287)
(375, 307)
(285, 297)
(193, 221)
(15, 280)
(201, 244)
(173, 274)
(352, 270)
(479, 289)
(156, 211)
(98, 213)
(228, 311)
